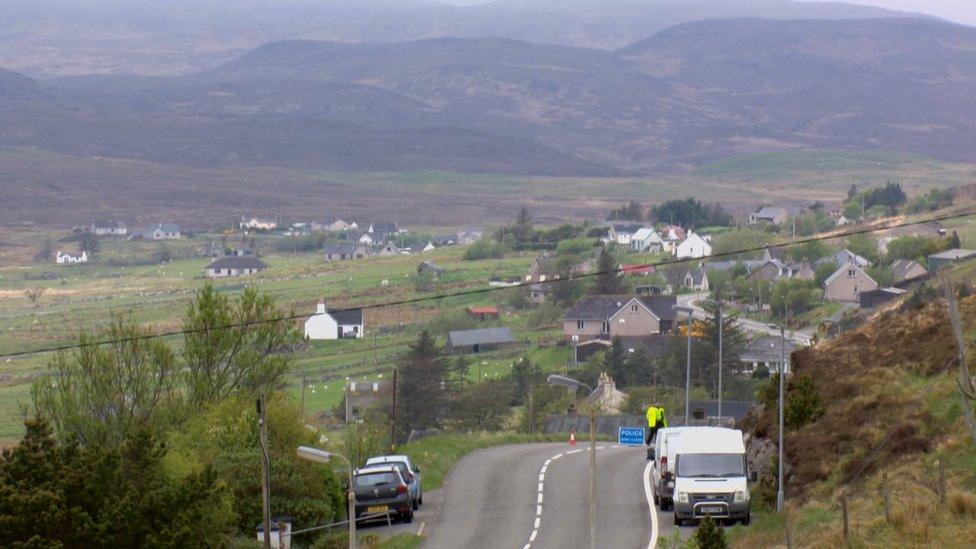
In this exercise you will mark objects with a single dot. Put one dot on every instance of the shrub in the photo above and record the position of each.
(486, 249)
(709, 535)
(803, 404)
(962, 504)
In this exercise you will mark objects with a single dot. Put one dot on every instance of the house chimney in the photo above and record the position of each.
(320, 309)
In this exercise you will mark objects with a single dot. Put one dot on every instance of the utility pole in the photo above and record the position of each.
(265, 471)
(304, 385)
(393, 413)
(688, 374)
(720, 327)
(593, 544)
(780, 496)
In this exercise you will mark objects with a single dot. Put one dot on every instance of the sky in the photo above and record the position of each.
(959, 11)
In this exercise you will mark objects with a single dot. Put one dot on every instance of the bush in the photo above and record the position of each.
(803, 404)
(709, 535)
(486, 249)
(576, 246)
(962, 505)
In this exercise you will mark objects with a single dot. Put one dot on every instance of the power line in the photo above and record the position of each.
(480, 291)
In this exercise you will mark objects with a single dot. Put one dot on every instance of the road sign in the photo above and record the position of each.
(630, 435)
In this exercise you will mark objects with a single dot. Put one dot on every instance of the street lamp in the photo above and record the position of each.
(780, 494)
(321, 456)
(575, 384)
(690, 312)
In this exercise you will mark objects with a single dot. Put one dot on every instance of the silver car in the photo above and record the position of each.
(410, 472)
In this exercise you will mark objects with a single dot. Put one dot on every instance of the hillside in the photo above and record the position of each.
(61, 37)
(692, 94)
(890, 406)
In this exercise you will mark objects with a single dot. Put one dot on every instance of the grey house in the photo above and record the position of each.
(478, 341)
(233, 265)
(939, 260)
(766, 351)
(344, 251)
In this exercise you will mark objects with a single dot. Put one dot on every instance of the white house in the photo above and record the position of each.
(366, 239)
(622, 233)
(334, 325)
(64, 259)
(693, 247)
(259, 223)
(428, 248)
(646, 240)
(160, 231)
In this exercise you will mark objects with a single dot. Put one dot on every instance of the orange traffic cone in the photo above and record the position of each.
(572, 438)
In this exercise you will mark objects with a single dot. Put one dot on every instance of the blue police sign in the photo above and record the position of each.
(630, 435)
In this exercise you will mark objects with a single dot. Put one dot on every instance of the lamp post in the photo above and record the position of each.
(321, 456)
(718, 305)
(575, 384)
(780, 494)
(689, 311)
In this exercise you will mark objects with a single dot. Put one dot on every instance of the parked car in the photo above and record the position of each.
(410, 472)
(382, 490)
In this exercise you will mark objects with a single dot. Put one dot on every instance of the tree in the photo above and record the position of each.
(795, 296)
(65, 494)
(103, 393)
(45, 252)
(608, 280)
(614, 362)
(742, 239)
(689, 212)
(709, 535)
(481, 406)
(823, 271)
(523, 376)
(864, 245)
(852, 192)
(803, 404)
(913, 247)
(230, 347)
(522, 229)
(733, 343)
(421, 399)
(88, 243)
(631, 211)
(954, 241)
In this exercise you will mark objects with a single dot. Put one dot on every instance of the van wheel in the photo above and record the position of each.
(747, 520)
(408, 518)
(415, 504)
(657, 500)
(677, 521)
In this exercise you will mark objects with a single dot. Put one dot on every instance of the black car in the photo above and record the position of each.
(381, 491)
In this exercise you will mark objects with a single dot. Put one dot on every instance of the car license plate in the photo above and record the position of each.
(377, 509)
(712, 510)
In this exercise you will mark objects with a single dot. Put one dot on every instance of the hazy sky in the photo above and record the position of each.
(960, 11)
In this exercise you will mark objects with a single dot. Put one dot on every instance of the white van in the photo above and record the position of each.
(711, 475)
(663, 453)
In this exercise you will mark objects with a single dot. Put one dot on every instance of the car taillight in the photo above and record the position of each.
(402, 489)
(664, 463)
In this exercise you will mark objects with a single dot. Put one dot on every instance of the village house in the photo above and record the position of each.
(775, 269)
(389, 249)
(466, 237)
(876, 298)
(678, 278)
(939, 260)
(68, 259)
(655, 346)
(479, 341)
(160, 231)
(365, 239)
(543, 269)
(258, 224)
(482, 312)
(906, 271)
(646, 240)
(622, 233)
(609, 316)
(339, 324)
(693, 247)
(769, 214)
(430, 268)
(233, 265)
(428, 248)
(766, 351)
(847, 283)
(334, 225)
(344, 251)
(844, 257)
(382, 231)
(607, 398)
(108, 228)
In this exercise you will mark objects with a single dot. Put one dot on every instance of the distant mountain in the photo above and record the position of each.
(686, 96)
(62, 37)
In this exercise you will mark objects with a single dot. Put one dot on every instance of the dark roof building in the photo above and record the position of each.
(939, 260)
(601, 307)
(232, 265)
(476, 341)
(766, 351)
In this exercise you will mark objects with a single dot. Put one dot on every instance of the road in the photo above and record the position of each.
(534, 496)
(803, 337)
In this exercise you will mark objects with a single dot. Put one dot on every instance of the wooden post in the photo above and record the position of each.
(885, 495)
(265, 471)
(843, 507)
(393, 413)
(789, 532)
(942, 482)
(304, 385)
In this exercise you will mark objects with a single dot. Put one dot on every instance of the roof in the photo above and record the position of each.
(166, 227)
(346, 317)
(483, 310)
(844, 268)
(637, 269)
(385, 228)
(770, 212)
(645, 233)
(630, 228)
(238, 262)
(343, 248)
(483, 336)
(956, 253)
(373, 469)
(367, 387)
(766, 349)
(602, 307)
(901, 267)
(711, 440)
(108, 225)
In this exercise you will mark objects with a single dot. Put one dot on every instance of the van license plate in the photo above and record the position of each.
(712, 510)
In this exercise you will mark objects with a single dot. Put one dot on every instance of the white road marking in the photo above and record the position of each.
(652, 543)
(573, 451)
(540, 486)
(540, 497)
(420, 531)
(542, 476)
(533, 535)
(538, 510)
(537, 521)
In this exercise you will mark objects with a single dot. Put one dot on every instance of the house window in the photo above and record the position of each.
(633, 308)
(851, 273)
(606, 326)
(580, 325)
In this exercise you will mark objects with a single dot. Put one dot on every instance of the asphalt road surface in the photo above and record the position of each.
(803, 337)
(534, 496)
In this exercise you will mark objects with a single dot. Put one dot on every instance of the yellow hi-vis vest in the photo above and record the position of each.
(655, 416)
